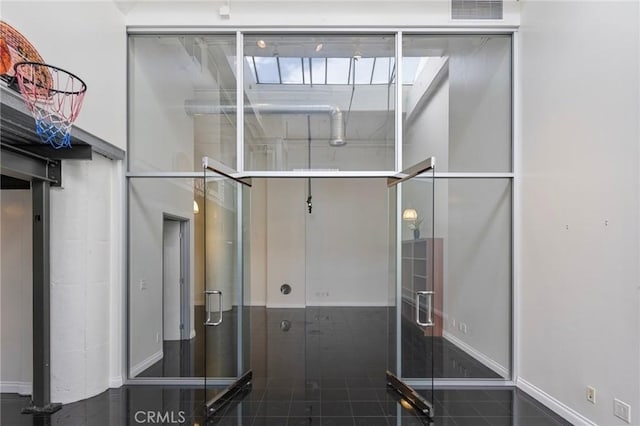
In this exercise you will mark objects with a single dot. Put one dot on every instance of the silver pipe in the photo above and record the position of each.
(204, 107)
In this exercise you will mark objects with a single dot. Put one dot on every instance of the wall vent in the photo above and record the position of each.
(476, 9)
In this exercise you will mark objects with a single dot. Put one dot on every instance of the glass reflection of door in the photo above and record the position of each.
(226, 345)
(417, 289)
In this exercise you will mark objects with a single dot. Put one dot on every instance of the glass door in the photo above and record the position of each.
(226, 319)
(417, 284)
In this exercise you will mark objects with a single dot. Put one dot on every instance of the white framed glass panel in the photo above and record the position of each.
(317, 117)
(457, 104)
(165, 276)
(182, 101)
(473, 220)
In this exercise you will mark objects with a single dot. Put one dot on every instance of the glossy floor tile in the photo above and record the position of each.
(313, 366)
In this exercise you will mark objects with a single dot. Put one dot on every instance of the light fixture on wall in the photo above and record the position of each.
(196, 208)
(261, 44)
(409, 214)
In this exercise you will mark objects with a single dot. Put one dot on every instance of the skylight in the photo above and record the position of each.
(331, 71)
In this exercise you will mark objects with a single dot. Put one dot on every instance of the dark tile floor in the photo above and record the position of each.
(422, 356)
(314, 366)
(275, 403)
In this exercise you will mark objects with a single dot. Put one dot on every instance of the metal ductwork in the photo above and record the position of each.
(204, 107)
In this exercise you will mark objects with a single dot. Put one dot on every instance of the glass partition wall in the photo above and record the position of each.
(319, 102)
(313, 106)
(459, 111)
(187, 231)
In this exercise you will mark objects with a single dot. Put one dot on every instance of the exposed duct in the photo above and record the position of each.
(204, 107)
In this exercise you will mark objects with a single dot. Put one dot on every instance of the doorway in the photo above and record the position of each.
(176, 305)
(334, 243)
(16, 286)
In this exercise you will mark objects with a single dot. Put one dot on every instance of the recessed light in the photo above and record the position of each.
(319, 47)
(261, 44)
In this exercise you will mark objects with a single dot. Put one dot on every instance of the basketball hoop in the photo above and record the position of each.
(54, 97)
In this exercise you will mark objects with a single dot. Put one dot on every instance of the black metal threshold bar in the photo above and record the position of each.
(421, 405)
(239, 387)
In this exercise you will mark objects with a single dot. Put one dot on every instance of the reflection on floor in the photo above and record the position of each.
(437, 357)
(184, 358)
(314, 366)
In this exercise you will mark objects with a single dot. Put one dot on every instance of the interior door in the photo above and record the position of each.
(226, 349)
(411, 365)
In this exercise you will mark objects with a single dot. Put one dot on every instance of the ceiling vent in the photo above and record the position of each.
(476, 9)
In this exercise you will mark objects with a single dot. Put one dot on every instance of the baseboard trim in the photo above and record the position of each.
(146, 363)
(482, 358)
(553, 404)
(116, 382)
(348, 305)
(284, 305)
(324, 305)
(22, 388)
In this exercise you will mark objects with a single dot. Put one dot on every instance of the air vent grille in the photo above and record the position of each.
(476, 9)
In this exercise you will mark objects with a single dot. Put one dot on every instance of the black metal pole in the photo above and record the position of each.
(309, 203)
(41, 393)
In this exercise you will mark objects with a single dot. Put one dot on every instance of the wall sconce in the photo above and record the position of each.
(196, 208)
(411, 216)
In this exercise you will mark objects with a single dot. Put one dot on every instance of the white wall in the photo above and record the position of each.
(428, 136)
(347, 242)
(258, 254)
(285, 248)
(16, 287)
(580, 209)
(303, 12)
(337, 256)
(82, 278)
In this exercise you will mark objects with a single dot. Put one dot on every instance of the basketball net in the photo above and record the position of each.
(54, 97)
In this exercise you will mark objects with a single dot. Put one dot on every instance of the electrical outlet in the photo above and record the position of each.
(591, 394)
(464, 328)
(622, 410)
(143, 284)
(459, 326)
(157, 337)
